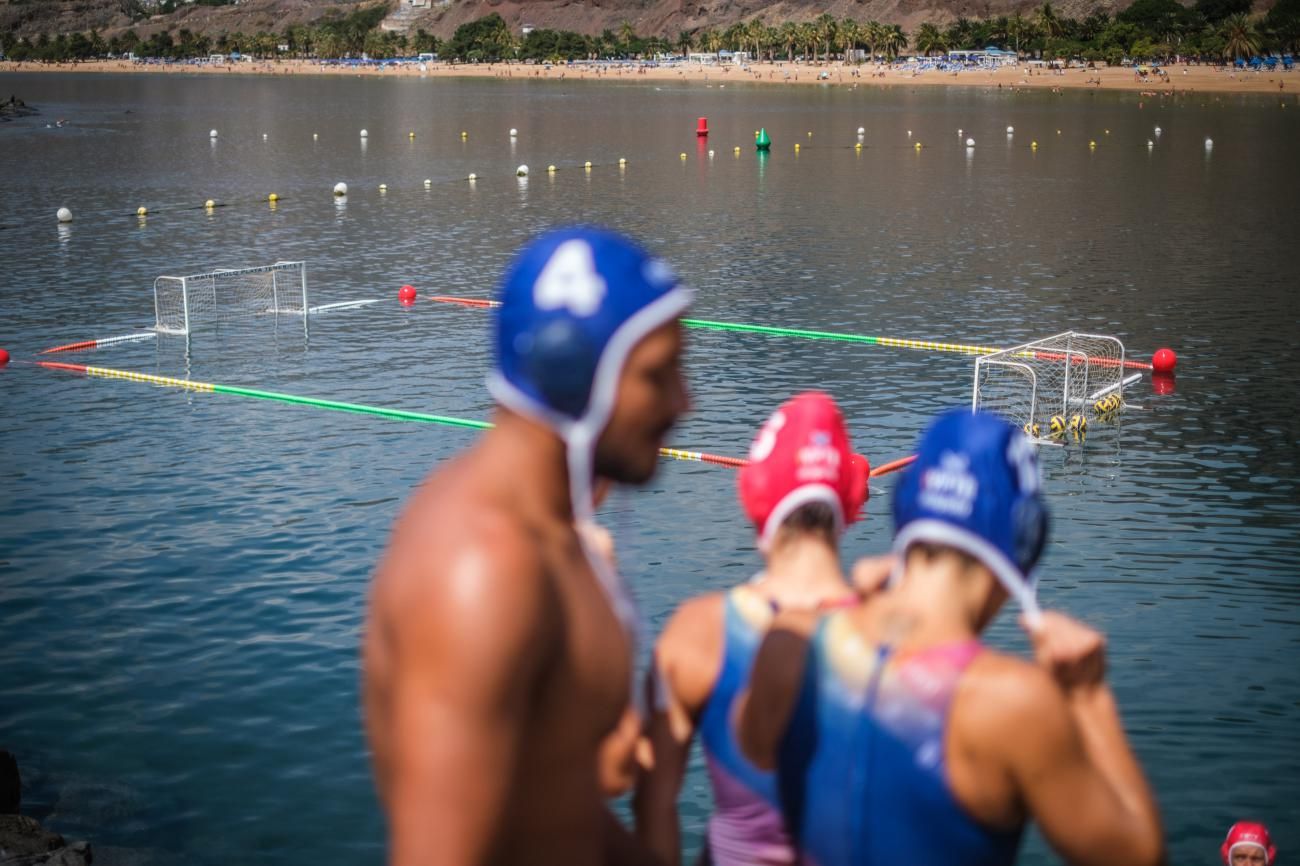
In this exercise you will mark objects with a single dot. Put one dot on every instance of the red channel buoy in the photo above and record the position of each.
(406, 294)
(4, 357)
(1164, 361)
(702, 127)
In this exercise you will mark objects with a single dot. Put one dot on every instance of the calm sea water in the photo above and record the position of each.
(183, 576)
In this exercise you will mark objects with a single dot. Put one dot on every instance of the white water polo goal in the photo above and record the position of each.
(1047, 384)
(183, 303)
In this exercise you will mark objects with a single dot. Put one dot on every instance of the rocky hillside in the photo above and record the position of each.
(647, 17)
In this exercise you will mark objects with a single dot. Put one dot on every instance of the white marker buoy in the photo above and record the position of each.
(314, 136)
(587, 165)
(1010, 130)
(522, 171)
(514, 133)
(1209, 143)
(64, 215)
(550, 169)
(970, 142)
(1157, 131)
(264, 136)
(862, 130)
(622, 161)
(212, 134)
(428, 182)
(1150, 143)
(383, 187)
(365, 134)
(340, 188)
(472, 177)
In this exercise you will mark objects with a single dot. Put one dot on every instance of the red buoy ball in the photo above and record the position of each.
(1164, 361)
(4, 357)
(406, 294)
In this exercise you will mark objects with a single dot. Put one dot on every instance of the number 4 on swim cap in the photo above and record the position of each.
(570, 280)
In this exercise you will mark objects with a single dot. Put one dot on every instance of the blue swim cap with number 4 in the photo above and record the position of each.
(574, 304)
(975, 486)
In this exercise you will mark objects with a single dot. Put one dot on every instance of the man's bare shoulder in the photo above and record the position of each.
(457, 555)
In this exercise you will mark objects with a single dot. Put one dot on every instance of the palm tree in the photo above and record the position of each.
(684, 42)
(894, 42)
(1240, 38)
(1018, 28)
(625, 36)
(1046, 21)
(930, 40)
(712, 41)
(825, 28)
(789, 39)
(807, 38)
(847, 35)
(873, 33)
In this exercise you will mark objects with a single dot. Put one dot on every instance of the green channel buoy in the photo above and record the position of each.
(761, 141)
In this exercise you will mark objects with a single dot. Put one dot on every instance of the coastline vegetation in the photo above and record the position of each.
(1148, 30)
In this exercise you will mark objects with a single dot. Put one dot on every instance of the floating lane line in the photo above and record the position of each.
(359, 408)
(837, 336)
(96, 344)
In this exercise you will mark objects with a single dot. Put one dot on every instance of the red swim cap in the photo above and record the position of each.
(1249, 833)
(802, 455)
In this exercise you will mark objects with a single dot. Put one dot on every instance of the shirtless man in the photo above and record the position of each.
(898, 737)
(498, 651)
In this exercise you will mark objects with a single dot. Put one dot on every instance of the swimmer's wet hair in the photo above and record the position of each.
(812, 518)
(931, 550)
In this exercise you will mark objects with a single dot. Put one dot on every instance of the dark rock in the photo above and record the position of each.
(23, 842)
(11, 784)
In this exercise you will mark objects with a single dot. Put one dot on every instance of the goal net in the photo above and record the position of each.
(183, 303)
(1057, 377)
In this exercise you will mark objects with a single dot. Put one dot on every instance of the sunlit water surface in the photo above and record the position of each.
(183, 576)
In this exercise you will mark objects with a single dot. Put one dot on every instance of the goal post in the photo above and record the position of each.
(1060, 376)
(184, 303)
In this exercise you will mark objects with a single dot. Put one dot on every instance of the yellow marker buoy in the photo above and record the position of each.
(550, 169)
(622, 161)
(383, 187)
(918, 145)
(683, 156)
(472, 177)
(858, 146)
(810, 135)
(209, 204)
(796, 147)
(272, 197)
(464, 134)
(587, 165)
(1033, 145)
(737, 151)
(1092, 144)
(410, 135)
(142, 211)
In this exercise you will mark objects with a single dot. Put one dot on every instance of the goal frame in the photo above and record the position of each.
(1075, 395)
(292, 284)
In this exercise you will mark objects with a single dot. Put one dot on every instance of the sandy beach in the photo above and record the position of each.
(1178, 79)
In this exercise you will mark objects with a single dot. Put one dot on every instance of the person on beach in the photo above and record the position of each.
(1248, 843)
(897, 734)
(498, 646)
(802, 487)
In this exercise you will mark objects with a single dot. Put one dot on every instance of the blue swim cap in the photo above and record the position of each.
(574, 304)
(975, 487)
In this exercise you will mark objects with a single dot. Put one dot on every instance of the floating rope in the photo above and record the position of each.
(95, 344)
(803, 334)
(381, 411)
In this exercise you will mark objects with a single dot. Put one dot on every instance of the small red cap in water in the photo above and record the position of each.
(406, 294)
(4, 357)
(702, 127)
(1164, 361)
